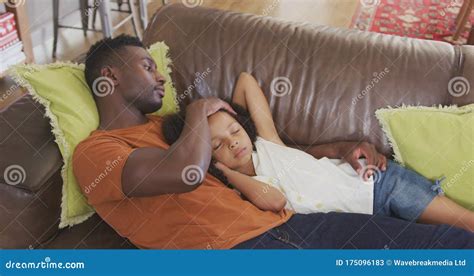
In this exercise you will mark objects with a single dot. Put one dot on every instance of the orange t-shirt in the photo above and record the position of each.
(211, 216)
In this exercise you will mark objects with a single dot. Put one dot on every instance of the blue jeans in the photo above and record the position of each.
(354, 231)
(402, 193)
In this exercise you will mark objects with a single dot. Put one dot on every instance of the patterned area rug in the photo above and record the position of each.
(426, 19)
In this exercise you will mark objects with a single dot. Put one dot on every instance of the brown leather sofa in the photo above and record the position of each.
(335, 75)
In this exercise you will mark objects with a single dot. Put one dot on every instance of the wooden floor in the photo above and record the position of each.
(326, 12)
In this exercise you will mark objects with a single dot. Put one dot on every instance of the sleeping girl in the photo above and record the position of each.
(249, 156)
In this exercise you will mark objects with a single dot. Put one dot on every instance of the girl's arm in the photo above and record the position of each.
(249, 95)
(262, 195)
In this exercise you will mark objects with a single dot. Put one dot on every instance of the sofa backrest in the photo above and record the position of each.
(338, 77)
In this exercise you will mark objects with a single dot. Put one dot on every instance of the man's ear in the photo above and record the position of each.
(110, 73)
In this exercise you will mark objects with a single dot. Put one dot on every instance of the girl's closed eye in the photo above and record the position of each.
(216, 147)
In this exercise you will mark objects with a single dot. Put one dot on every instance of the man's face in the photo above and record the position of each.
(231, 144)
(138, 80)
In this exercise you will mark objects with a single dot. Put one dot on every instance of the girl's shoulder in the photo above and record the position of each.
(264, 141)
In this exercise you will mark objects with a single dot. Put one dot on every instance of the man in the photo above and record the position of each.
(157, 196)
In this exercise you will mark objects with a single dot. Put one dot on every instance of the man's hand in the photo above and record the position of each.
(350, 152)
(153, 171)
(211, 105)
(356, 151)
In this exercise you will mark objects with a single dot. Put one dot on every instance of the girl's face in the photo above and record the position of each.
(231, 144)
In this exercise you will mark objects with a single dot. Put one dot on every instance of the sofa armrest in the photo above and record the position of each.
(30, 180)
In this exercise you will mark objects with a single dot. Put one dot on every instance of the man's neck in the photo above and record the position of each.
(116, 114)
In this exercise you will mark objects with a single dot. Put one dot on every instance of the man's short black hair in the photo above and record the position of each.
(173, 126)
(104, 53)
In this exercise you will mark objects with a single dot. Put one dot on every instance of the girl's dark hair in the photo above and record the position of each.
(173, 126)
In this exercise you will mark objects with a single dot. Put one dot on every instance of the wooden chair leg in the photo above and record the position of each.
(462, 18)
(84, 8)
(106, 21)
(55, 26)
(462, 11)
(119, 3)
(470, 39)
(94, 17)
(143, 13)
(135, 18)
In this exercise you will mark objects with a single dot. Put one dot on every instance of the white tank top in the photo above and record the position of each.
(312, 185)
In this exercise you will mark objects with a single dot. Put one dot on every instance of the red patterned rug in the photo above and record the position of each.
(426, 19)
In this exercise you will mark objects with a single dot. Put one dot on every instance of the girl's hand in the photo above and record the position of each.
(222, 167)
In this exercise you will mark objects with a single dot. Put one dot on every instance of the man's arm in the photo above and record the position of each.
(348, 151)
(153, 171)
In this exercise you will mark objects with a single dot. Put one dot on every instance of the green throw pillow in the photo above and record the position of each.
(436, 142)
(61, 88)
